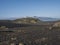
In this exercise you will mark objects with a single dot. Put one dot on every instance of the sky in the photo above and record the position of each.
(23, 8)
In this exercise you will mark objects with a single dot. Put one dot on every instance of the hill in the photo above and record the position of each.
(26, 20)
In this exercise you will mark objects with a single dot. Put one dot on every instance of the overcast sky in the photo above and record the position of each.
(22, 8)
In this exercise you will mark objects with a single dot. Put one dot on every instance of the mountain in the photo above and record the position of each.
(40, 18)
(47, 18)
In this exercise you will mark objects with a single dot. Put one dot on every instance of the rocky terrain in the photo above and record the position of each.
(29, 31)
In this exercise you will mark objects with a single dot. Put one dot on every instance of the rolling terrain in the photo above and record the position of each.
(31, 32)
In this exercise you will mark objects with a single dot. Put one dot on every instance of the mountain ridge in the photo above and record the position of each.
(48, 18)
(40, 18)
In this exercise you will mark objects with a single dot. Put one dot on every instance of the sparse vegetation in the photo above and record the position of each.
(29, 34)
(27, 20)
